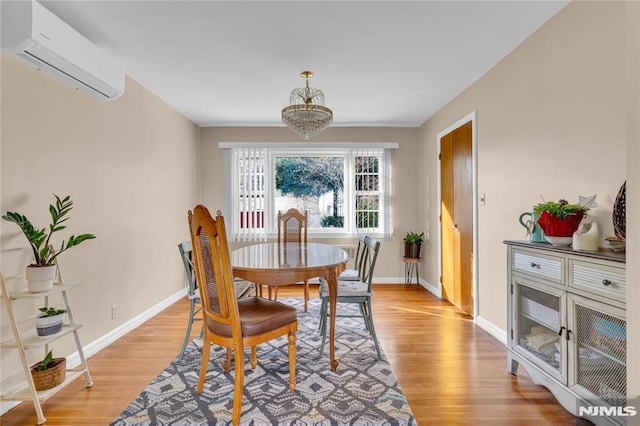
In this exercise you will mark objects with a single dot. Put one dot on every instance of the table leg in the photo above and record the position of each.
(333, 296)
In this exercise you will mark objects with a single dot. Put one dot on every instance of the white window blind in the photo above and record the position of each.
(249, 184)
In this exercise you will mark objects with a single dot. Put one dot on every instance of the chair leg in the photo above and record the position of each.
(306, 295)
(206, 346)
(292, 361)
(275, 292)
(186, 337)
(238, 384)
(226, 364)
(365, 318)
(322, 317)
(254, 358)
(372, 330)
(323, 321)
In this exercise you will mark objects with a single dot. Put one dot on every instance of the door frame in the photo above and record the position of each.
(472, 116)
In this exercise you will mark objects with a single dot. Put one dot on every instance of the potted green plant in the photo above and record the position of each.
(49, 372)
(49, 321)
(41, 273)
(559, 220)
(412, 244)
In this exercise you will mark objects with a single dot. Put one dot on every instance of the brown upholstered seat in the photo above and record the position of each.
(233, 323)
(257, 316)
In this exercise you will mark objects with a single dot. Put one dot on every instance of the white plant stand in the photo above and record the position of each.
(23, 340)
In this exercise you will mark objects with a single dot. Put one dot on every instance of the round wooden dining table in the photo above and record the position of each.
(287, 263)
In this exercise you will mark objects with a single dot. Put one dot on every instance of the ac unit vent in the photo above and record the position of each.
(33, 33)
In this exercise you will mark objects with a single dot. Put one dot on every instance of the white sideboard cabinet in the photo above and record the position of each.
(567, 327)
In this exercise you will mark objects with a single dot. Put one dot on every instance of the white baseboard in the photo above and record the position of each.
(73, 360)
(491, 328)
(94, 347)
(435, 290)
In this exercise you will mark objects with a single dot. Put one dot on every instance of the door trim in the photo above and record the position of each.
(472, 116)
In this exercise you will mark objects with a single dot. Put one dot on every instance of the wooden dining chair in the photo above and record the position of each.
(230, 322)
(292, 228)
(358, 292)
(243, 288)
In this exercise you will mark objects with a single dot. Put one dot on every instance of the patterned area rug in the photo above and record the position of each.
(364, 390)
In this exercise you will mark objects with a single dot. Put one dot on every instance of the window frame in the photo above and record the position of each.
(347, 151)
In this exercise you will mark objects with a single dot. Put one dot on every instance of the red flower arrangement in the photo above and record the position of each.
(560, 219)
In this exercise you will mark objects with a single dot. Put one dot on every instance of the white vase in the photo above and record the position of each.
(40, 278)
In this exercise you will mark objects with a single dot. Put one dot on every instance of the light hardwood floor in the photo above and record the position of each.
(452, 372)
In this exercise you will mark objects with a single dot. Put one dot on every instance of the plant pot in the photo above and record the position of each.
(41, 278)
(412, 250)
(47, 326)
(556, 227)
(52, 376)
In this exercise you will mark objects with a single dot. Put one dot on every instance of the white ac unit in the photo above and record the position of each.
(33, 33)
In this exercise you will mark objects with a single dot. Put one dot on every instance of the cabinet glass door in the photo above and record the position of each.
(537, 334)
(600, 349)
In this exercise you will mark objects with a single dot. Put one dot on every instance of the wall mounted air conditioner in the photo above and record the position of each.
(33, 33)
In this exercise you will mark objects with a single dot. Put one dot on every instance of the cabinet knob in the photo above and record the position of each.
(534, 265)
(606, 282)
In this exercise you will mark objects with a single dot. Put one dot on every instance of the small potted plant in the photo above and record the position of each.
(49, 372)
(412, 244)
(41, 273)
(49, 321)
(559, 220)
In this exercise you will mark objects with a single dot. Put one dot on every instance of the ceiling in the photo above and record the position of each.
(234, 63)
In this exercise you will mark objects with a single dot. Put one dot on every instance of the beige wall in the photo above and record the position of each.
(405, 183)
(130, 166)
(552, 120)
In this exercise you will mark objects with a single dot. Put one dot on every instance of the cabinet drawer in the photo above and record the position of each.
(604, 280)
(543, 266)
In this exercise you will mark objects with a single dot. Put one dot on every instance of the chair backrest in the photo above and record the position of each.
(292, 226)
(186, 254)
(359, 253)
(213, 268)
(370, 255)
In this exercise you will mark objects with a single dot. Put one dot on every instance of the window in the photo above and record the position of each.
(344, 189)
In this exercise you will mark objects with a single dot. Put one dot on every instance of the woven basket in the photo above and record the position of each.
(51, 377)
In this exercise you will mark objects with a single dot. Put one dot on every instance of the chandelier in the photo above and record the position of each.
(307, 115)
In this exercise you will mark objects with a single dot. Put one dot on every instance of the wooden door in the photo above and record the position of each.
(456, 220)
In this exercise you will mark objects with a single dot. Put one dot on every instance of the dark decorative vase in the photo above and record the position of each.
(620, 212)
(412, 250)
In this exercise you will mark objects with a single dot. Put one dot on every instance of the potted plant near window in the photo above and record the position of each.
(412, 244)
(49, 321)
(559, 220)
(41, 273)
(49, 372)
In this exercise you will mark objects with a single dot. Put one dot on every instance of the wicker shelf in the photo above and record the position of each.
(23, 393)
(22, 341)
(26, 294)
(32, 340)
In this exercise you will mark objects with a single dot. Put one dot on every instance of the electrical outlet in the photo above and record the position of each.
(115, 312)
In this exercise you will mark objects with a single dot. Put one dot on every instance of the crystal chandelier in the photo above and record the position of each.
(307, 115)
